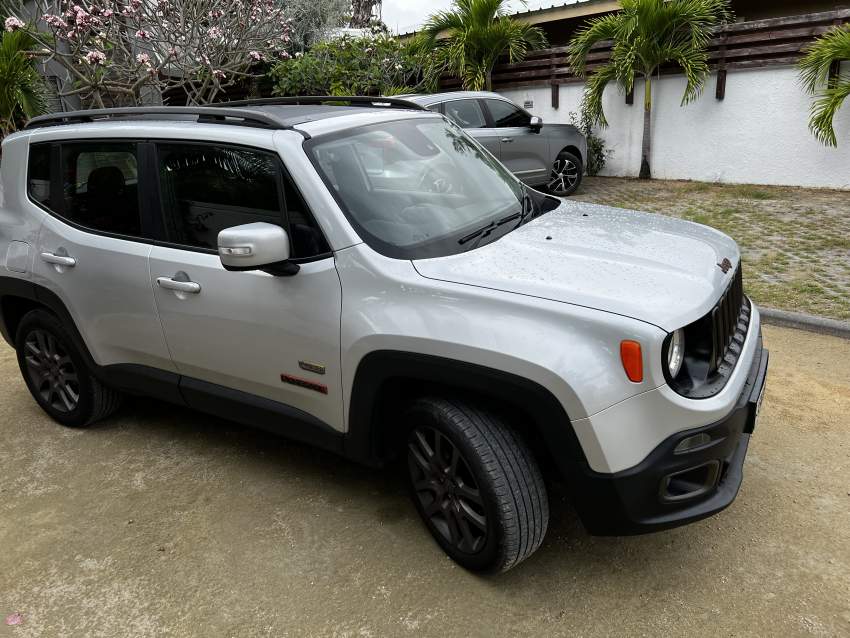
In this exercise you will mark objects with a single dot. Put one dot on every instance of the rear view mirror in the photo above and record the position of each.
(536, 123)
(257, 246)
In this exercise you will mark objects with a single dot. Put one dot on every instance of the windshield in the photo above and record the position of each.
(415, 188)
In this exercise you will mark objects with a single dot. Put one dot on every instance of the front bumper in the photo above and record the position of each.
(640, 499)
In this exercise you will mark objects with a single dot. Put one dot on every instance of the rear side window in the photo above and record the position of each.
(466, 113)
(206, 189)
(100, 185)
(506, 114)
(38, 174)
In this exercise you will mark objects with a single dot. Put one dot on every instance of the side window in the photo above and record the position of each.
(466, 113)
(206, 189)
(506, 114)
(38, 174)
(100, 186)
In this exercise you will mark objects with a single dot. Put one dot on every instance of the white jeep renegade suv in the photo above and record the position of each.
(364, 276)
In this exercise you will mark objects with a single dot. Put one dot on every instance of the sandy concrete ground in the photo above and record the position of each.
(162, 522)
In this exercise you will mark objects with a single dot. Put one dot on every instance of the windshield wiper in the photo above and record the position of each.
(485, 231)
(526, 212)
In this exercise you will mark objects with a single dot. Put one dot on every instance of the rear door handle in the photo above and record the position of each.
(180, 286)
(59, 260)
(507, 140)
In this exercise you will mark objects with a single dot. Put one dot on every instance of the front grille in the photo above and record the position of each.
(725, 317)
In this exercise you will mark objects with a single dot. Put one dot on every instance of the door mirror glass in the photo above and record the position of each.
(536, 123)
(256, 246)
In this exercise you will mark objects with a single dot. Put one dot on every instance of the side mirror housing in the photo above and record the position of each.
(257, 246)
(536, 123)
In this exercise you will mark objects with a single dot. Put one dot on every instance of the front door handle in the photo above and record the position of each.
(59, 260)
(507, 140)
(180, 286)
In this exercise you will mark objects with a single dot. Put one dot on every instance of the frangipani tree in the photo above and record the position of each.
(117, 48)
(645, 35)
(830, 92)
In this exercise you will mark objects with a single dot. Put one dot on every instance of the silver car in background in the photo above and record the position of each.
(551, 156)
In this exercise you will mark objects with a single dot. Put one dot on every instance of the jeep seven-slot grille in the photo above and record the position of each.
(725, 318)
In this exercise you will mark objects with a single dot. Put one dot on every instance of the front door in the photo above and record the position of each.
(469, 115)
(523, 151)
(272, 337)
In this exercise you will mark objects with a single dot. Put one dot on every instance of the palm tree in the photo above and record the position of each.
(22, 94)
(815, 72)
(467, 39)
(647, 34)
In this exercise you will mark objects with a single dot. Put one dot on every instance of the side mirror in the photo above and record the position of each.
(536, 123)
(257, 246)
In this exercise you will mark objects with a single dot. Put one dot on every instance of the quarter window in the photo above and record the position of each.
(38, 174)
(100, 187)
(466, 113)
(507, 115)
(206, 189)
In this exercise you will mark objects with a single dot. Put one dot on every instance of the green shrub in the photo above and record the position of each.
(376, 64)
(597, 154)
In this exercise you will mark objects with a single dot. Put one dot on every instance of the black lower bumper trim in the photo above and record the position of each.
(632, 501)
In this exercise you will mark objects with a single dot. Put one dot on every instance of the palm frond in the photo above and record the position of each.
(467, 39)
(824, 109)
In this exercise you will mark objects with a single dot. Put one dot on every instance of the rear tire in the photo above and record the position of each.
(476, 485)
(56, 373)
(565, 176)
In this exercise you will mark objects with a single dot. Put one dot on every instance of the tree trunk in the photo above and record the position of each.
(646, 149)
(488, 80)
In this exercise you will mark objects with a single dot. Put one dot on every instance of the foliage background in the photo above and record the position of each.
(372, 64)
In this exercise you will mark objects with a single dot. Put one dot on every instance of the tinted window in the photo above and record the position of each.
(206, 189)
(38, 174)
(466, 113)
(506, 114)
(100, 186)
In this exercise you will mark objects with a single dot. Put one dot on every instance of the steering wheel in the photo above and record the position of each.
(435, 185)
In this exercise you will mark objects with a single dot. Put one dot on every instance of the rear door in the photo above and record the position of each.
(93, 248)
(523, 151)
(272, 337)
(469, 114)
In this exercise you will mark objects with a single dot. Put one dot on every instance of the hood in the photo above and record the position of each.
(660, 270)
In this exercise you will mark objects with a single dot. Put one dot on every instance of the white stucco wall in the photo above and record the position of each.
(757, 135)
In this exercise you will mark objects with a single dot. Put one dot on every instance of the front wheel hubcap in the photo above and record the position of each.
(446, 490)
(564, 176)
(51, 371)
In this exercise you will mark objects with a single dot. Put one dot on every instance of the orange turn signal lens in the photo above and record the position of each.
(632, 358)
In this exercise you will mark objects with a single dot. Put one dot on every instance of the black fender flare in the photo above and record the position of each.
(41, 296)
(364, 440)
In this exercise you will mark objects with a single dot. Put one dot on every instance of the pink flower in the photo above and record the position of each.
(142, 34)
(54, 21)
(13, 24)
(218, 74)
(95, 57)
(256, 56)
(14, 619)
(143, 58)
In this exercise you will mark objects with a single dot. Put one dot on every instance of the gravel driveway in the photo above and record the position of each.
(162, 522)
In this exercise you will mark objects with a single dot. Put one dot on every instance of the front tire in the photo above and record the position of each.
(565, 176)
(56, 373)
(476, 485)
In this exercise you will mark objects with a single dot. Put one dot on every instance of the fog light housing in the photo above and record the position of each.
(692, 443)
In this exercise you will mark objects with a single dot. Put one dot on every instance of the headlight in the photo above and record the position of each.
(675, 353)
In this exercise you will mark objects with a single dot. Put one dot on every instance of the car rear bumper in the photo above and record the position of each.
(671, 488)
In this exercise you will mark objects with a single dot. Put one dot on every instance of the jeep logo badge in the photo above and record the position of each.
(725, 265)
